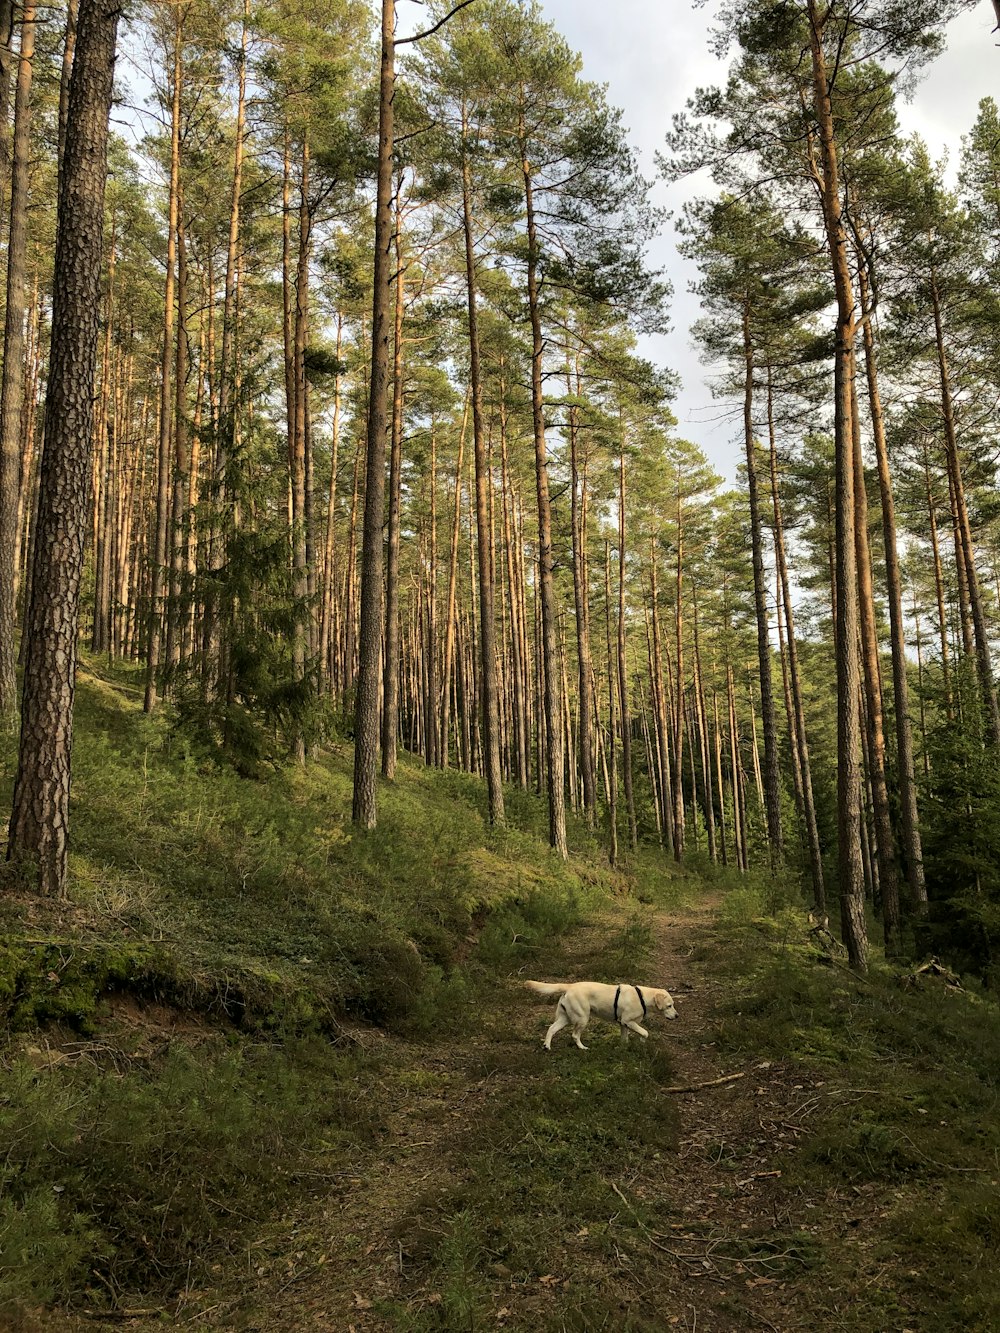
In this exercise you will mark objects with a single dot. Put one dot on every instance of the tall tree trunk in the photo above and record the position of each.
(990, 708)
(848, 717)
(6, 67)
(679, 698)
(69, 47)
(366, 713)
(871, 679)
(660, 704)
(612, 778)
(450, 627)
(221, 487)
(912, 848)
(484, 521)
(159, 552)
(182, 463)
(580, 597)
(808, 801)
(549, 658)
(12, 384)
(622, 667)
(771, 775)
(390, 670)
(938, 585)
(40, 814)
(702, 720)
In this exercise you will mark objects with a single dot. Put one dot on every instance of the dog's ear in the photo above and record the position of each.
(663, 1000)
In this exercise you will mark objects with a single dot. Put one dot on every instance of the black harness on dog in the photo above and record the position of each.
(638, 992)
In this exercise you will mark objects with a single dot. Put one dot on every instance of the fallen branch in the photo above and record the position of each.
(710, 1083)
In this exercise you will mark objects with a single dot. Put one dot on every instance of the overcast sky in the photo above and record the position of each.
(652, 54)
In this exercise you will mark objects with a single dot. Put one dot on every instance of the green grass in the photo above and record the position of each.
(138, 1161)
(530, 1201)
(263, 892)
(905, 1110)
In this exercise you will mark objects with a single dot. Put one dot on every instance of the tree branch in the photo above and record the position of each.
(419, 36)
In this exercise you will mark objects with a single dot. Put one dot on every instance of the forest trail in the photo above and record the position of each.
(694, 1233)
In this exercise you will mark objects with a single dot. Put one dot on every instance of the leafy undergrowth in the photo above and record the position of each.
(182, 1052)
(895, 1121)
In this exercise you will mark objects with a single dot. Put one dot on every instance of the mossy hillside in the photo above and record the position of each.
(257, 900)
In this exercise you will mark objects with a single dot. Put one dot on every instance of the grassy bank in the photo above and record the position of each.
(181, 1036)
(892, 1124)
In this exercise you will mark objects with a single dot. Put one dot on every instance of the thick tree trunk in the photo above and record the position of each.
(40, 815)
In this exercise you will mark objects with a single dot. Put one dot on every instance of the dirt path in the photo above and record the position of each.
(691, 1231)
(727, 1261)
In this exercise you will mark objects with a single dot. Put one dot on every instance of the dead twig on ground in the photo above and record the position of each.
(709, 1083)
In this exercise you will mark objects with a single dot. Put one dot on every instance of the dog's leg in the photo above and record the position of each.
(578, 1027)
(635, 1028)
(624, 1031)
(561, 1022)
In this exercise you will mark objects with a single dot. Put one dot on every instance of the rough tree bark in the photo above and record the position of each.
(40, 814)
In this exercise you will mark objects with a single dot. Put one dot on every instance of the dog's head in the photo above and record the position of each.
(664, 1002)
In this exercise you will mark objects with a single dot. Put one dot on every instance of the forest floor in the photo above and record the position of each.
(511, 1188)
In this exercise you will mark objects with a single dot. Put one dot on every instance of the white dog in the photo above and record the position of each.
(623, 1005)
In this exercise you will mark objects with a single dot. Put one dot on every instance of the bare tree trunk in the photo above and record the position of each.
(884, 842)
(172, 649)
(366, 715)
(808, 802)
(580, 596)
(622, 668)
(991, 710)
(848, 718)
(40, 814)
(912, 848)
(12, 384)
(679, 713)
(551, 715)
(938, 585)
(612, 779)
(660, 703)
(702, 721)
(159, 552)
(772, 776)
(390, 676)
(450, 616)
(69, 47)
(484, 522)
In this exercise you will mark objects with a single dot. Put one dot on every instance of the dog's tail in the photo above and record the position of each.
(548, 987)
